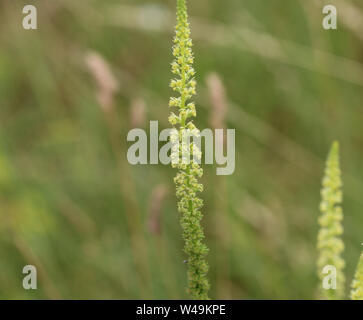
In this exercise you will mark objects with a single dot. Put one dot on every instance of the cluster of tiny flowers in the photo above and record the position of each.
(330, 244)
(189, 171)
(357, 284)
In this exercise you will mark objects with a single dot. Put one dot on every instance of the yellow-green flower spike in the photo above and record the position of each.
(330, 244)
(186, 180)
(357, 284)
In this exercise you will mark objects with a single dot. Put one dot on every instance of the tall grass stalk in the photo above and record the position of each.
(186, 180)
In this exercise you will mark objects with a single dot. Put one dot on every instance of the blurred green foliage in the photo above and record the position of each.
(97, 227)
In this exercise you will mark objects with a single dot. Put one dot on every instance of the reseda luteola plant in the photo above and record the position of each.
(357, 284)
(186, 179)
(330, 244)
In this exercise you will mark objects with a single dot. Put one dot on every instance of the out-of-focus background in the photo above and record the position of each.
(97, 227)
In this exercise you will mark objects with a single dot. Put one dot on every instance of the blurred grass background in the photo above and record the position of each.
(99, 228)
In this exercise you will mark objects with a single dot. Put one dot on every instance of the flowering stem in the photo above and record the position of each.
(330, 244)
(357, 284)
(186, 180)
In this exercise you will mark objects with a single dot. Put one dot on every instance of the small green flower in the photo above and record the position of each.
(357, 284)
(189, 170)
(330, 244)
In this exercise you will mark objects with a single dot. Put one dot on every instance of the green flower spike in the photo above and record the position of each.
(186, 180)
(357, 284)
(330, 244)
